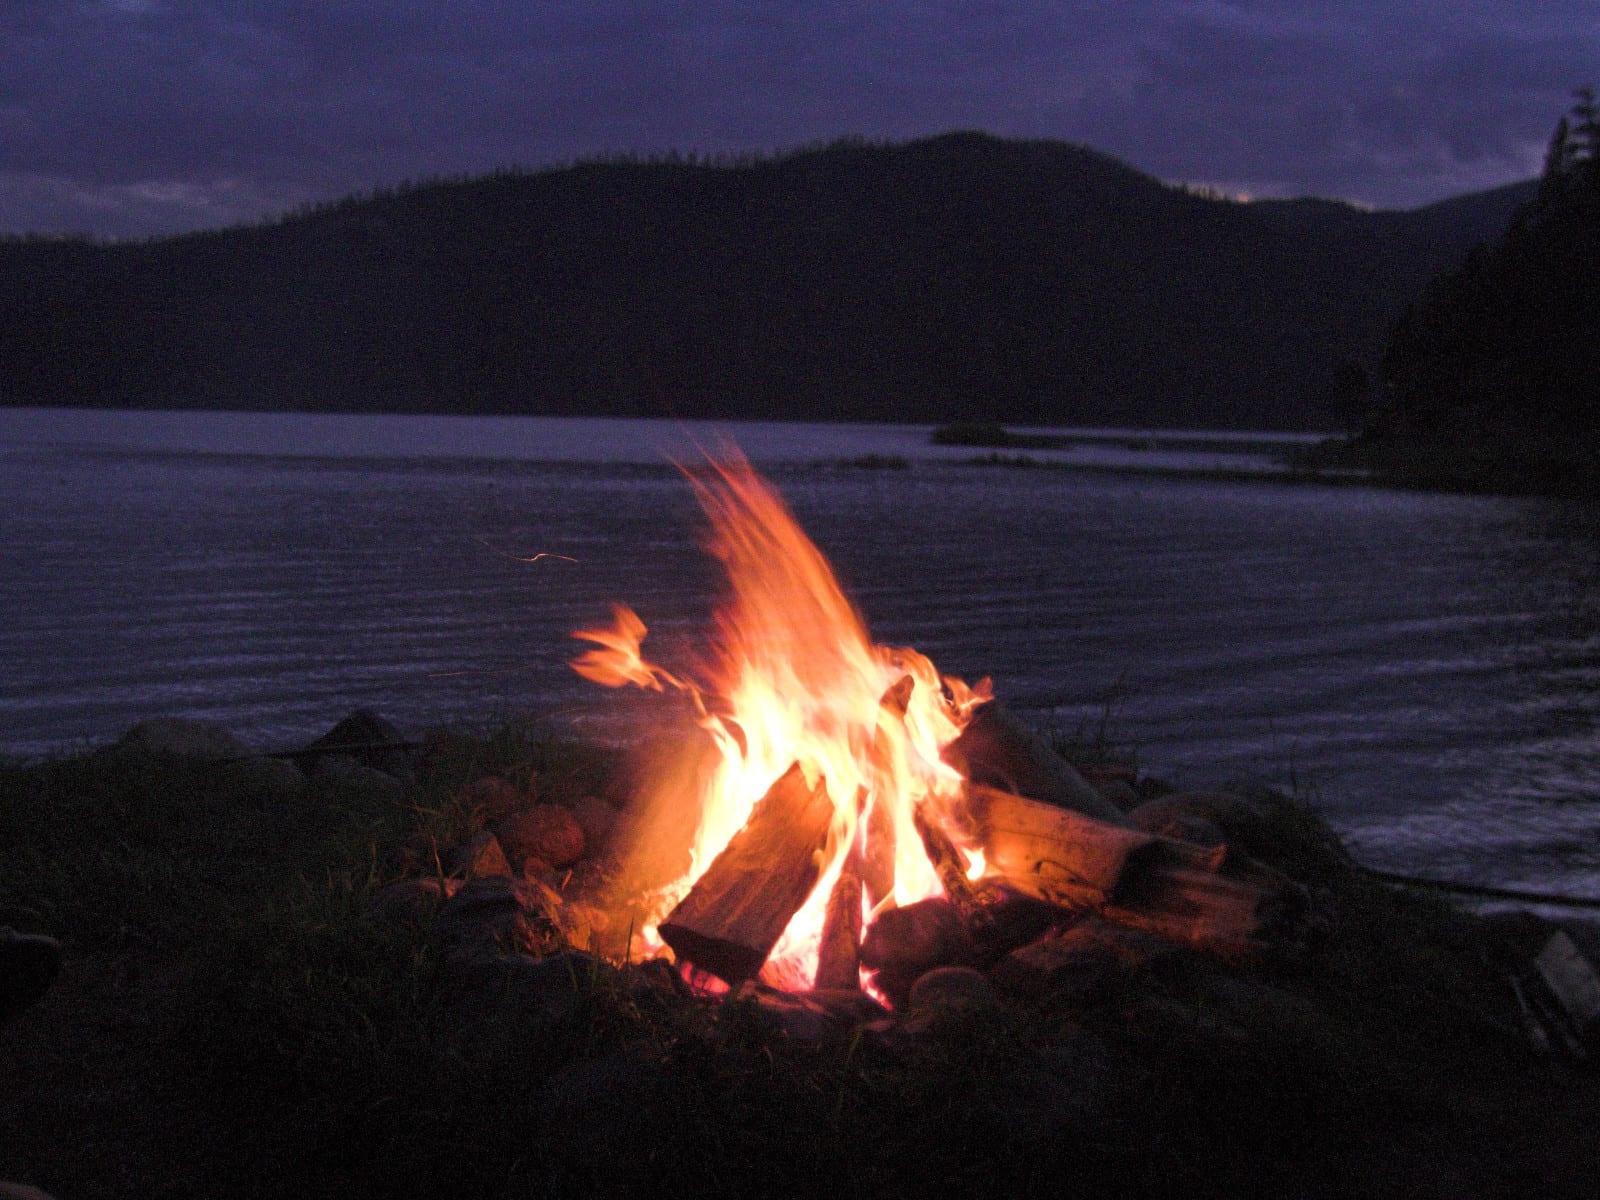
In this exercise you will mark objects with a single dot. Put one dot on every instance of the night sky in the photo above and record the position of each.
(137, 117)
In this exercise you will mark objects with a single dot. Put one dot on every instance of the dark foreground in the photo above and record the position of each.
(236, 1017)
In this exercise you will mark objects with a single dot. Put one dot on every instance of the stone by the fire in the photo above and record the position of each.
(547, 832)
(810, 1016)
(479, 857)
(490, 798)
(952, 989)
(1080, 963)
(345, 771)
(181, 737)
(371, 740)
(498, 915)
(902, 944)
(265, 776)
(480, 990)
(597, 819)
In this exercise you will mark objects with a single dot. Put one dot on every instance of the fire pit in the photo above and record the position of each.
(840, 815)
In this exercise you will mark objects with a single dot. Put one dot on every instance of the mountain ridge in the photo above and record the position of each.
(957, 277)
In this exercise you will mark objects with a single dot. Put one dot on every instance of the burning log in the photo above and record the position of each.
(839, 956)
(1053, 853)
(734, 914)
(1219, 901)
(996, 749)
(877, 863)
(951, 867)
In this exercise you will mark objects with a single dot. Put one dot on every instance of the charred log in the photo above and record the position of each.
(735, 913)
(997, 750)
(1210, 898)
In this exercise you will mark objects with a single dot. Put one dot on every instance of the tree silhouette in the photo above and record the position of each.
(1499, 363)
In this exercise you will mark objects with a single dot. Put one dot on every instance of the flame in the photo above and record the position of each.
(790, 675)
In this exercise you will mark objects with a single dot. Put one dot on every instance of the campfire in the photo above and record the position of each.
(839, 815)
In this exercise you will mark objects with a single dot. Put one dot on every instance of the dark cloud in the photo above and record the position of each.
(136, 116)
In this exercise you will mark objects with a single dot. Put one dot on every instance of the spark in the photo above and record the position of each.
(520, 558)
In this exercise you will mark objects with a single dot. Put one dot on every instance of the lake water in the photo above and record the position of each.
(1427, 668)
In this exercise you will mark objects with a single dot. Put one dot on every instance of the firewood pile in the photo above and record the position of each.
(1069, 876)
(1088, 874)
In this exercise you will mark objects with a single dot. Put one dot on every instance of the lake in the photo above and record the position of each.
(1425, 668)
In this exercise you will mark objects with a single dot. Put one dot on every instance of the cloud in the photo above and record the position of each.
(1388, 104)
(148, 115)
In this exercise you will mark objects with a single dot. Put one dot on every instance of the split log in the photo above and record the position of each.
(951, 867)
(997, 750)
(736, 911)
(1211, 898)
(877, 861)
(1054, 853)
(1236, 913)
(839, 955)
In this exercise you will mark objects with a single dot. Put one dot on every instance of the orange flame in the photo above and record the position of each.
(791, 674)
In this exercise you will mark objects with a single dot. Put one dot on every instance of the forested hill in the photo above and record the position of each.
(961, 277)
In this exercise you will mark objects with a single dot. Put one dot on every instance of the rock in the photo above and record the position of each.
(1119, 791)
(538, 869)
(903, 944)
(180, 737)
(479, 857)
(266, 776)
(1066, 966)
(809, 1016)
(597, 819)
(950, 990)
(1117, 782)
(344, 771)
(1080, 964)
(545, 831)
(412, 901)
(29, 964)
(372, 741)
(850, 1005)
(21, 1191)
(1014, 919)
(655, 985)
(490, 799)
(487, 917)
(1150, 787)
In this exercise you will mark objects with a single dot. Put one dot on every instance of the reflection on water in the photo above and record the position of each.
(1428, 667)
